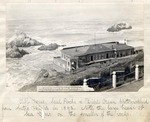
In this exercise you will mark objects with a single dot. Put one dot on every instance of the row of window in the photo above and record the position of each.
(65, 57)
(101, 56)
(125, 53)
(110, 55)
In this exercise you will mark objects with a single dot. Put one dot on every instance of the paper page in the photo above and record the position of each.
(77, 61)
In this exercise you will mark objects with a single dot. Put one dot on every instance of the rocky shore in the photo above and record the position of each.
(20, 39)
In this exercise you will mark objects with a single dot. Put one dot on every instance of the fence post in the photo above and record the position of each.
(85, 83)
(114, 79)
(85, 86)
(136, 72)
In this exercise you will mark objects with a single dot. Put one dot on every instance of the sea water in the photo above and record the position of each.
(72, 33)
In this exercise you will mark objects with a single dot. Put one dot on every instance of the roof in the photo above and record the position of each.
(117, 46)
(95, 48)
(75, 51)
(139, 48)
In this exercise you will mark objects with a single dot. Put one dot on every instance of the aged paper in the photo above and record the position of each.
(38, 36)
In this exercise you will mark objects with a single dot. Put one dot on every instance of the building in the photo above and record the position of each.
(75, 57)
(138, 49)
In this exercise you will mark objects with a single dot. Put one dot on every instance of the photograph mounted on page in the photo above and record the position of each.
(74, 47)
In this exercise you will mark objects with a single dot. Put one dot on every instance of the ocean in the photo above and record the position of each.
(72, 33)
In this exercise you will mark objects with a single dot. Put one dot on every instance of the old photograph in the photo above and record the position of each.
(85, 47)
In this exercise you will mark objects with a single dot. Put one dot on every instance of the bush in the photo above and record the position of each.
(77, 82)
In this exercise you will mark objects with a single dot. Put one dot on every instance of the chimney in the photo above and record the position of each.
(125, 41)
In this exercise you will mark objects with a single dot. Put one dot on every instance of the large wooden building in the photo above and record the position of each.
(74, 57)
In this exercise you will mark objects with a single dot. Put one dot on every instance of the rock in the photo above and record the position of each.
(46, 74)
(22, 40)
(62, 45)
(52, 46)
(119, 27)
(15, 52)
(43, 74)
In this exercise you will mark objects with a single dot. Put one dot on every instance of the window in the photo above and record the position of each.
(107, 55)
(123, 53)
(120, 54)
(102, 56)
(68, 64)
(91, 58)
(94, 57)
(117, 55)
(97, 56)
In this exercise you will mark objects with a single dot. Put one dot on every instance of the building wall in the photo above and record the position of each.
(61, 63)
(99, 56)
(122, 53)
(67, 59)
(93, 57)
(105, 55)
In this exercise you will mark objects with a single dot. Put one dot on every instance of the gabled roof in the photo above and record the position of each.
(117, 46)
(75, 51)
(95, 48)
(85, 50)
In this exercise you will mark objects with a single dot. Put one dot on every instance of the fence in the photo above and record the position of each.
(116, 79)
(134, 75)
(125, 78)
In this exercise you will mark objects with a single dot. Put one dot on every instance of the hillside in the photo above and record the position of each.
(77, 78)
